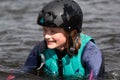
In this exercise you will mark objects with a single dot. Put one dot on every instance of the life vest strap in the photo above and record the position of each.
(60, 69)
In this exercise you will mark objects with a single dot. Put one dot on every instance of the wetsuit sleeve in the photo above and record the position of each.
(93, 61)
(33, 60)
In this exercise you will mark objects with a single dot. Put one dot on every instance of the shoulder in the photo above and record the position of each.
(85, 39)
(91, 46)
(39, 47)
(91, 51)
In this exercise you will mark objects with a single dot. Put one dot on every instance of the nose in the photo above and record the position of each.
(47, 36)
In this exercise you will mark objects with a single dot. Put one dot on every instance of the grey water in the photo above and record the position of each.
(19, 32)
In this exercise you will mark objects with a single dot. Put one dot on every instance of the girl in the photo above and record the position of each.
(65, 51)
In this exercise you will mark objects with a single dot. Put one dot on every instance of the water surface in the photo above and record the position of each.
(19, 31)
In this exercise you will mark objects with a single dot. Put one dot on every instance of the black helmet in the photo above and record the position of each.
(66, 14)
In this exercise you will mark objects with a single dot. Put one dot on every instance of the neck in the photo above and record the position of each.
(61, 53)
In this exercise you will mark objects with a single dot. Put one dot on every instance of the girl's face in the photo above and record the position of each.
(55, 37)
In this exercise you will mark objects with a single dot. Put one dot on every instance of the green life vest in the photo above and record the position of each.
(71, 66)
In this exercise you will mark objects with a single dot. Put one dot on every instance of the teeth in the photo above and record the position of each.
(50, 41)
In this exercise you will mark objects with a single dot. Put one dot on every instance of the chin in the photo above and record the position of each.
(51, 47)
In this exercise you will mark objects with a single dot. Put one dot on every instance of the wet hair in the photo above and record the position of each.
(74, 42)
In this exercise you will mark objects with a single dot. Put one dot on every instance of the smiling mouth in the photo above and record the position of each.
(50, 42)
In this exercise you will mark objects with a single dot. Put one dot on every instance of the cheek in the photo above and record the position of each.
(61, 39)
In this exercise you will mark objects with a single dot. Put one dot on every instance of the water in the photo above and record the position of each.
(19, 32)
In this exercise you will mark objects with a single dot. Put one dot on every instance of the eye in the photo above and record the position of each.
(50, 30)
(53, 31)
